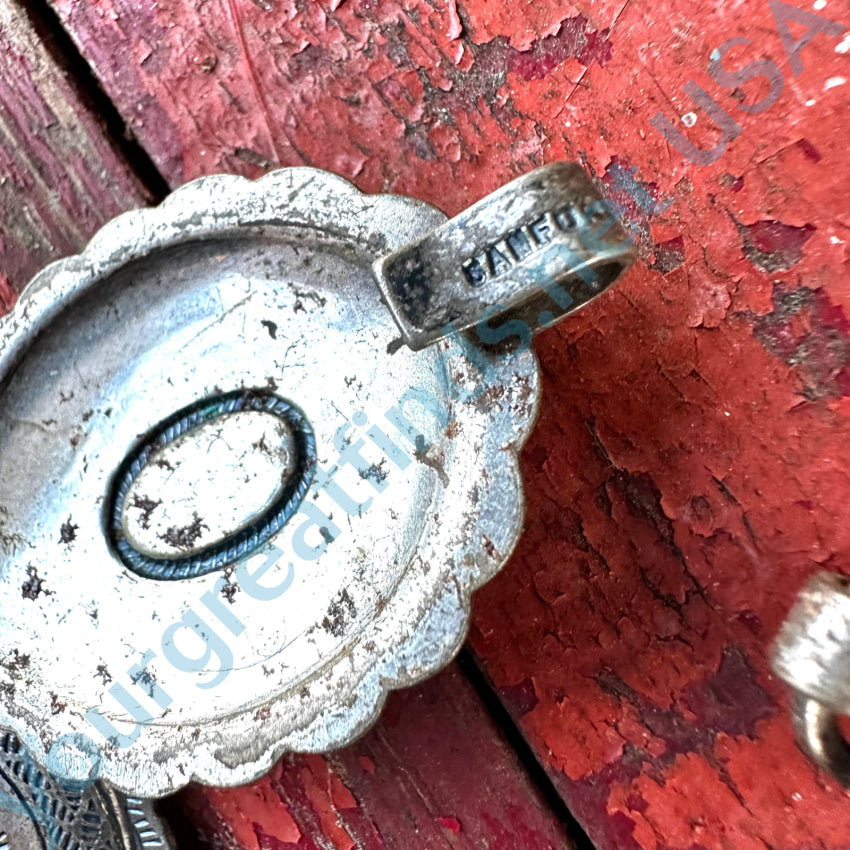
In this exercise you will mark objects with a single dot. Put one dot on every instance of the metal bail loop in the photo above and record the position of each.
(812, 654)
(535, 250)
(819, 736)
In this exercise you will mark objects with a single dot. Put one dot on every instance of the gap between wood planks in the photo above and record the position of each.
(80, 76)
(516, 741)
(86, 86)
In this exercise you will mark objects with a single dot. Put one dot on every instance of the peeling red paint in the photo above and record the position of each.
(689, 469)
(774, 246)
(812, 335)
(572, 40)
(669, 255)
(434, 773)
(320, 787)
(253, 811)
(452, 824)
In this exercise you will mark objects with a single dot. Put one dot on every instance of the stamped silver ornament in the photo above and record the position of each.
(37, 812)
(258, 448)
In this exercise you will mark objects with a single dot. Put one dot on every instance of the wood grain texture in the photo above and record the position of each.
(60, 178)
(690, 468)
(433, 773)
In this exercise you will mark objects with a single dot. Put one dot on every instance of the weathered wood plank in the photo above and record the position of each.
(688, 469)
(60, 178)
(434, 773)
(395, 95)
(690, 466)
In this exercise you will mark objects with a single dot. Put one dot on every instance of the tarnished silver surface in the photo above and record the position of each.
(165, 496)
(236, 332)
(37, 812)
(820, 738)
(541, 247)
(812, 654)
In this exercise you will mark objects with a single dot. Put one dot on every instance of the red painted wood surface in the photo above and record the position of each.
(433, 773)
(60, 178)
(690, 468)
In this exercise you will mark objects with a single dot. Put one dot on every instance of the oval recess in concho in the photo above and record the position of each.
(207, 485)
(210, 485)
(415, 501)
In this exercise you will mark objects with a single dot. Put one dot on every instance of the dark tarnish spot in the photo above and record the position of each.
(411, 278)
(262, 446)
(377, 473)
(186, 537)
(33, 586)
(808, 331)
(147, 506)
(340, 612)
(19, 662)
(669, 255)
(491, 396)
(68, 532)
(270, 326)
(421, 454)
(773, 246)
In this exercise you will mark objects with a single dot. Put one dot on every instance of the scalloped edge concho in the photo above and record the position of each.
(424, 622)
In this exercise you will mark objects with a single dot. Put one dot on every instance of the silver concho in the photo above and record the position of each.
(258, 448)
